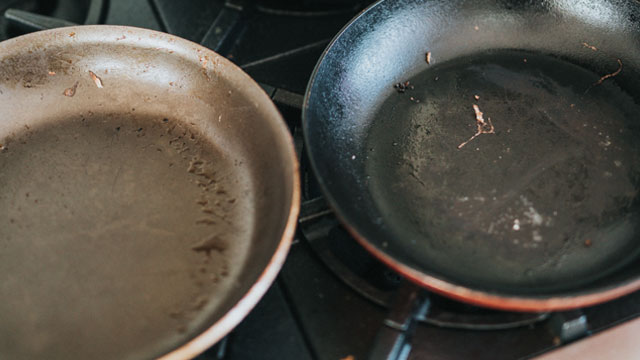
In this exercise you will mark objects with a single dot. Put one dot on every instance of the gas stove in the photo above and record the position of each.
(332, 300)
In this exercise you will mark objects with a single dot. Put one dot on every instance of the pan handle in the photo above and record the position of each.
(393, 341)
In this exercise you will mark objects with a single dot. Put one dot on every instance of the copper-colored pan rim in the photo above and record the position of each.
(496, 301)
(236, 314)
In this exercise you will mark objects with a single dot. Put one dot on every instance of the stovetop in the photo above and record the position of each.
(331, 299)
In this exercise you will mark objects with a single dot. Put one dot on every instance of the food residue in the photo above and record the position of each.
(610, 75)
(589, 46)
(96, 79)
(348, 357)
(427, 57)
(476, 97)
(72, 34)
(516, 225)
(121, 38)
(587, 243)
(52, 73)
(71, 91)
(605, 77)
(484, 126)
(401, 87)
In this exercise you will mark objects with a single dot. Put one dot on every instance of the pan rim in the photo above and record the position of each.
(437, 284)
(221, 327)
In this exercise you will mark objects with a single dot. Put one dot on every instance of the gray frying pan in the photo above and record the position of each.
(148, 195)
(488, 150)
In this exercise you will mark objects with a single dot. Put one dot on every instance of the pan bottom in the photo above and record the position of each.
(118, 236)
(542, 199)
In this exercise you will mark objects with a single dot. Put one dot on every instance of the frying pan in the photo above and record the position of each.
(487, 150)
(148, 195)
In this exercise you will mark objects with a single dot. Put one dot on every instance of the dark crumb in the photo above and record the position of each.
(165, 120)
(401, 87)
(587, 243)
(140, 129)
(118, 128)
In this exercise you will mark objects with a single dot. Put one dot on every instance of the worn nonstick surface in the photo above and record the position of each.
(142, 213)
(539, 213)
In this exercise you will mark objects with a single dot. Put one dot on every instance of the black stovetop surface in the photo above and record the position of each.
(331, 298)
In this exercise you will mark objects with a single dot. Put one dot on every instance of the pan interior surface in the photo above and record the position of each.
(147, 187)
(545, 199)
(106, 222)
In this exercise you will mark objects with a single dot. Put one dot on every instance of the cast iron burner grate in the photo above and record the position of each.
(23, 16)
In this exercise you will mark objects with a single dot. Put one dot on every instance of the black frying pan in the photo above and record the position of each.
(487, 149)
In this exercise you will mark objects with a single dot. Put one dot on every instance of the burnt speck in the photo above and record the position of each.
(139, 129)
(118, 128)
(401, 87)
(165, 120)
